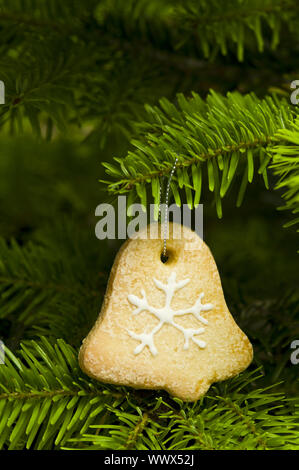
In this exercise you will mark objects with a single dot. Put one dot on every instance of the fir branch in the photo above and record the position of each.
(286, 167)
(67, 65)
(54, 85)
(230, 420)
(216, 135)
(54, 14)
(48, 287)
(26, 277)
(136, 432)
(198, 27)
(41, 81)
(47, 76)
(46, 398)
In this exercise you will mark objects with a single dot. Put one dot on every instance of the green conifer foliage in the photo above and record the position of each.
(101, 97)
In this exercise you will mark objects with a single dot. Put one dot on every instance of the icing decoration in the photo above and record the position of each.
(166, 315)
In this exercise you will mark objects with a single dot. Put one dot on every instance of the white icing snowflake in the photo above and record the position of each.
(166, 315)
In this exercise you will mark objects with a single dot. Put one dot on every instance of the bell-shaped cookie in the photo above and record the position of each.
(165, 325)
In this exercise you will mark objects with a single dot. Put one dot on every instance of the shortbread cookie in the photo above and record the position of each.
(165, 325)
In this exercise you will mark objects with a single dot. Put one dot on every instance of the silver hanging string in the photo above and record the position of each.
(166, 208)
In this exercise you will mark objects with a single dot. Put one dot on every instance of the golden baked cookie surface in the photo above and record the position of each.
(165, 325)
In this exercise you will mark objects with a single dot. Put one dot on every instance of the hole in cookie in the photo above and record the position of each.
(168, 257)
